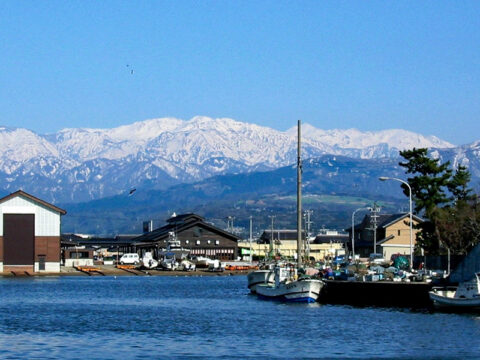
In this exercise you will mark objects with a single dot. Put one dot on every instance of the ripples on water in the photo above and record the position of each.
(214, 317)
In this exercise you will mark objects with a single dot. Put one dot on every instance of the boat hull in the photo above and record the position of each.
(259, 277)
(446, 299)
(296, 291)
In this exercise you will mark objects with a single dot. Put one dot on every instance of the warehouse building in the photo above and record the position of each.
(29, 234)
(195, 234)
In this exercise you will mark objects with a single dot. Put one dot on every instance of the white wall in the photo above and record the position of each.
(78, 262)
(47, 221)
(53, 267)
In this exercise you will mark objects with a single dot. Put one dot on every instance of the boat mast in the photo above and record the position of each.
(299, 197)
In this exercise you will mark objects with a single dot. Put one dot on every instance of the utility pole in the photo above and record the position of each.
(270, 251)
(230, 223)
(374, 221)
(308, 222)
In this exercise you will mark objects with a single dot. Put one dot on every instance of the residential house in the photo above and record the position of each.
(392, 235)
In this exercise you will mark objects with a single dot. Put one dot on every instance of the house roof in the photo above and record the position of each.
(396, 218)
(183, 218)
(280, 234)
(33, 198)
(383, 220)
(390, 237)
(331, 238)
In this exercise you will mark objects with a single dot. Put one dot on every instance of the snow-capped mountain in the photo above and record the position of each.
(85, 164)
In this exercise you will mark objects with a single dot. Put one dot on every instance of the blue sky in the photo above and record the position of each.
(369, 65)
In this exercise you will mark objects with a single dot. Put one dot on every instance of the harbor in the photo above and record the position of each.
(194, 316)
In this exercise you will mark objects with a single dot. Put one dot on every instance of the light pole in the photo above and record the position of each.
(250, 239)
(383, 178)
(353, 230)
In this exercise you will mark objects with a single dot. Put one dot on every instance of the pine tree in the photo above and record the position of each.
(444, 199)
(430, 181)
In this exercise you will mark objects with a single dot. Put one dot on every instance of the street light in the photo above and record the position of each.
(353, 231)
(383, 178)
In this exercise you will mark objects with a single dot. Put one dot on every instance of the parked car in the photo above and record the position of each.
(130, 258)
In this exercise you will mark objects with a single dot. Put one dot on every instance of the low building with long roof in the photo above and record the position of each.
(195, 234)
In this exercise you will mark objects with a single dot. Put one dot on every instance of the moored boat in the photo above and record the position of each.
(466, 295)
(287, 289)
(258, 277)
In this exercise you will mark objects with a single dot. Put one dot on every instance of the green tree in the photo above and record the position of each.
(458, 226)
(458, 185)
(430, 181)
(444, 199)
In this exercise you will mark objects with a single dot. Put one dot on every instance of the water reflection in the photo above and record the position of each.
(172, 317)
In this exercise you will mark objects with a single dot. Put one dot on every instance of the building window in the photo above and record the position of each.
(217, 242)
(79, 255)
(398, 232)
(209, 241)
(198, 242)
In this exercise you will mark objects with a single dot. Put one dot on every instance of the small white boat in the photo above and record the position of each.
(169, 261)
(186, 265)
(202, 262)
(287, 289)
(148, 261)
(261, 276)
(466, 295)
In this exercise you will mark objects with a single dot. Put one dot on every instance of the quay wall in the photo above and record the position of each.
(377, 293)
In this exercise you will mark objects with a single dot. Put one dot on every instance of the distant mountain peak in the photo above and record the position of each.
(85, 163)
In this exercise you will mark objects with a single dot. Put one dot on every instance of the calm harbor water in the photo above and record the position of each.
(211, 316)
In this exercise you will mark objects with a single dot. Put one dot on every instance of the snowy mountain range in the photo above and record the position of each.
(81, 164)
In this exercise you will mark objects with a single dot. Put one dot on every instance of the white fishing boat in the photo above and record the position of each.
(174, 246)
(290, 289)
(148, 261)
(287, 286)
(261, 276)
(466, 295)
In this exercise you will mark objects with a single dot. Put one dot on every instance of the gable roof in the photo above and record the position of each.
(34, 199)
(396, 218)
(178, 224)
(383, 220)
(182, 218)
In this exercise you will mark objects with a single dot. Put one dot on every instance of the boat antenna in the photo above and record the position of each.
(299, 197)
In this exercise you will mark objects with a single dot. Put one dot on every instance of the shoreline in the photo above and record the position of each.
(111, 270)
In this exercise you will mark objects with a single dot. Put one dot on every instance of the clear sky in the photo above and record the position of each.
(369, 65)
